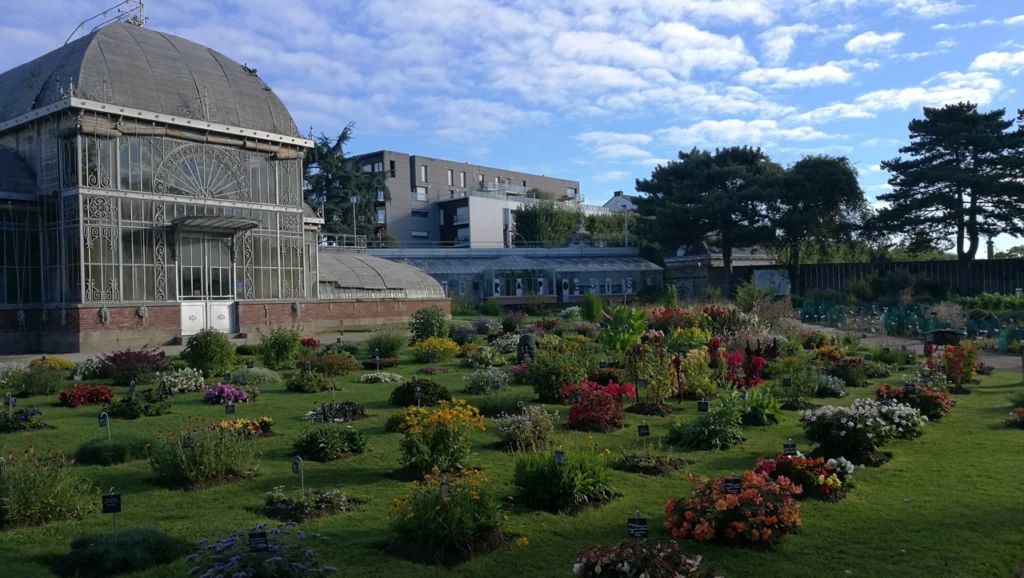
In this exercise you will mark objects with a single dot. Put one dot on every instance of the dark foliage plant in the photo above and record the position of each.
(128, 365)
(143, 404)
(129, 551)
(119, 450)
(430, 393)
(324, 443)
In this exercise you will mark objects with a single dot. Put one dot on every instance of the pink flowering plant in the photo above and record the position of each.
(223, 393)
(638, 558)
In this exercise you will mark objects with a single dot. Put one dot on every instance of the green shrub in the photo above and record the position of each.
(717, 429)
(431, 392)
(209, 351)
(671, 297)
(592, 309)
(329, 364)
(399, 421)
(803, 386)
(349, 347)
(145, 404)
(40, 381)
(504, 401)
(36, 489)
(305, 506)
(439, 438)
(761, 408)
(122, 448)
(385, 342)
(583, 479)
(893, 356)
(649, 462)
(247, 349)
(491, 307)
(202, 455)
(55, 363)
(429, 322)
(1017, 401)
(324, 443)
(279, 348)
(257, 377)
(530, 429)
(749, 295)
(129, 551)
(308, 382)
(448, 529)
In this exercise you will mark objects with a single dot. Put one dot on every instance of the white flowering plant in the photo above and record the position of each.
(506, 344)
(88, 369)
(380, 377)
(481, 381)
(185, 380)
(841, 466)
(831, 386)
(570, 313)
(860, 428)
(10, 374)
(531, 429)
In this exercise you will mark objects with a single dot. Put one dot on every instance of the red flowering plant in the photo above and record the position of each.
(929, 349)
(960, 364)
(309, 342)
(817, 478)
(597, 407)
(752, 372)
(85, 395)
(932, 404)
(554, 366)
(721, 321)
(733, 366)
(762, 512)
(607, 375)
(666, 319)
(549, 324)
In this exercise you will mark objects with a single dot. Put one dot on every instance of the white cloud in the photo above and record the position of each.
(616, 144)
(873, 42)
(945, 88)
(789, 78)
(652, 162)
(947, 43)
(928, 8)
(882, 142)
(468, 118)
(610, 176)
(1000, 61)
(1014, 20)
(777, 43)
(691, 98)
(689, 47)
(737, 132)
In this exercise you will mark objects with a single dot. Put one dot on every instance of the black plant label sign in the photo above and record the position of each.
(559, 457)
(637, 527)
(112, 504)
(733, 486)
(258, 542)
(643, 430)
(789, 450)
(446, 490)
(103, 421)
(250, 364)
(702, 406)
(295, 467)
(910, 388)
(641, 383)
(603, 365)
(229, 409)
(787, 382)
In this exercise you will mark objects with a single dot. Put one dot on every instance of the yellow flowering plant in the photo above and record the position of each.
(439, 438)
(436, 350)
(447, 518)
(250, 428)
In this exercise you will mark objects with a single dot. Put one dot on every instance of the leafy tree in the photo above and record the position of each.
(706, 194)
(816, 201)
(332, 179)
(960, 182)
(1011, 253)
(550, 225)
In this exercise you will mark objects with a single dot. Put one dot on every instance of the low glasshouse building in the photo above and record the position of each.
(151, 187)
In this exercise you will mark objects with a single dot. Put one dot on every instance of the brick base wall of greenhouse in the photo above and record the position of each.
(87, 329)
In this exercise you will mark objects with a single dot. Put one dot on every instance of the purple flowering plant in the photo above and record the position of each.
(223, 393)
(290, 553)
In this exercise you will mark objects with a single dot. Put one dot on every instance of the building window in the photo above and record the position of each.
(423, 173)
(420, 194)
(420, 214)
(451, 193)
(380, 195)
(462, 234)
(378, 167)
(391, 168)
(461, 216)
(480, 179)
(381, 216)
(524, 184)
(451, 177)
(497, 180)
(462, 179)
(420, 234)
(570, 192)
(367, 168)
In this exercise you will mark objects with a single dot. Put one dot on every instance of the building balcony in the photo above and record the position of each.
(507, 188)
(460, 220)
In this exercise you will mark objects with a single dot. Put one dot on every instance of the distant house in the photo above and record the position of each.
(703, 255)
(621, 202)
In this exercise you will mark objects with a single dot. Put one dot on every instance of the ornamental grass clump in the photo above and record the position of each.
(291, 553)
(256, 378)
(596, 407)
(328, 442)
(36, 489)
(632, 558)
(201, 455)
(302, 507)
(582, 479)
(932, 404)
(435, 349)
(447, 519)
(530, 429)
(759, 513)
(440, 438)
(184, 380)
(126, 552)
(139, 365)
(826, 480)
(121, 449)
(482, 381)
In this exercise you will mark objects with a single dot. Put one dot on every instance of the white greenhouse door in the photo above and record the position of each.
(519, 287)
(207, 288)
(540, 287)
(565, 290)
(193, 317)
(221, 316)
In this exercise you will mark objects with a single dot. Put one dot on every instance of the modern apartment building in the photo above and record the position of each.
(420, 185)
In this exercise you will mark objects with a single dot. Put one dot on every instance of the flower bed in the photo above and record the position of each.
(858, 430)
(379, 377)
(596, 407)
(825, 480)
(85, 395)
(631, 558)
(344, 412)
(223, 393)
(434, 369)
(22, 420)
(382, 363)
(143, 404)
(440, 438)
(649, 463)
(930, 403)
(253, 428)
(184, 380)
(761, 513)
(291, 553)
(304, 507)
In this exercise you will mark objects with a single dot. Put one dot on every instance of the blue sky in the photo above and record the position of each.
(597, 90)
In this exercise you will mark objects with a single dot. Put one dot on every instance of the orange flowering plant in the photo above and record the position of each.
(762, 512)
(960, 364)
(447, 518)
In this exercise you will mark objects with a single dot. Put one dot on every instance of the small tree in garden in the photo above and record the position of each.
(279, 348)
(625, 326)
(650, 360)
(429, 322)
(209, 351)
(671, 297)
(960, 364)
(592, 310)
(596, 407)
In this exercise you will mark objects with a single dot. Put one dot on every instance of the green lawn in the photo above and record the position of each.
(948, 504)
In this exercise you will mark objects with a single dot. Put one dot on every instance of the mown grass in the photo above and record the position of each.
(948, 504)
